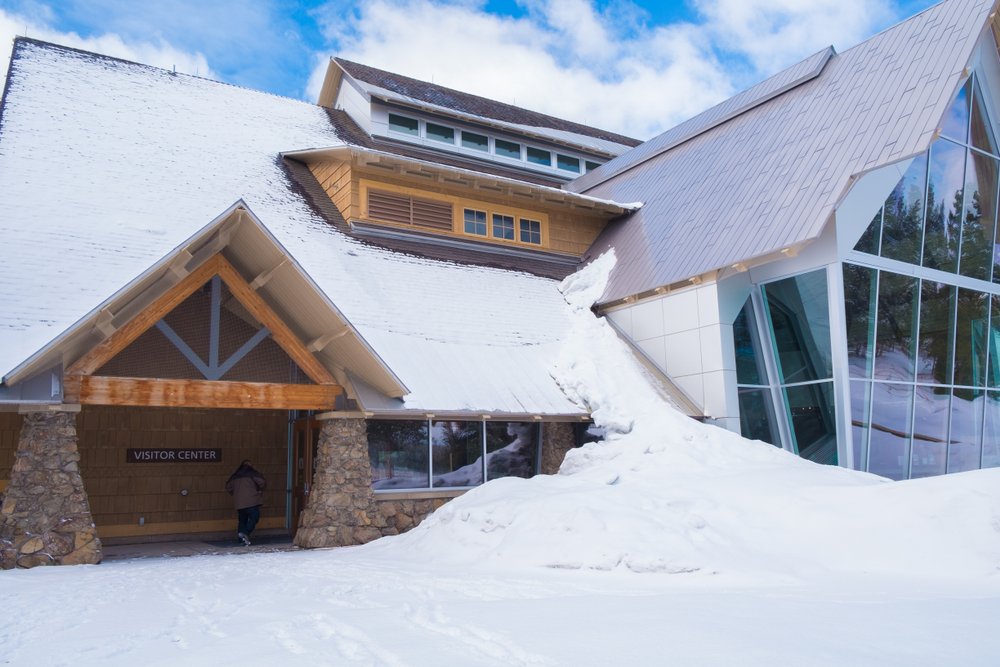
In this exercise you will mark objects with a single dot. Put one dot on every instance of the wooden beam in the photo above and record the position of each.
(255, 305)
(100, 390)
(104, 351)
(280, 332)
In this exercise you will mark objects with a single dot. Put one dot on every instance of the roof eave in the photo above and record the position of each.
(350, 152)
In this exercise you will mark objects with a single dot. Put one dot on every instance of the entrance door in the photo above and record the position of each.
(305, 444)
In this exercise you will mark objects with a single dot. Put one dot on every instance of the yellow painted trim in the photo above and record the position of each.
(172, 527)
(457, 215)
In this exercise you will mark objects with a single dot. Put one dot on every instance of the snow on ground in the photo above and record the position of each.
(672, 543)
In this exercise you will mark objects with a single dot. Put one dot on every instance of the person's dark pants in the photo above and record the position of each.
(248, 518)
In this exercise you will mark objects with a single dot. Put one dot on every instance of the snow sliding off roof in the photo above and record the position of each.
(107, 167)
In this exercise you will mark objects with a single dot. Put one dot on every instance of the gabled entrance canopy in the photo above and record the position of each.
(84, 387)
(269, 296)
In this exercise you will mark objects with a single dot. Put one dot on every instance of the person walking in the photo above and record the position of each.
(246, 485)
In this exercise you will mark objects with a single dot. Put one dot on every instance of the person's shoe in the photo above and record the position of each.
(244, 539)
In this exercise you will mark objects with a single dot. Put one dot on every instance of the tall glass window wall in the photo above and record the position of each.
(797, 330)
(924, 348)
(423, 454)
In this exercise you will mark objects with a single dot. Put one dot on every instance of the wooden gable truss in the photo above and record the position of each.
(82, 386)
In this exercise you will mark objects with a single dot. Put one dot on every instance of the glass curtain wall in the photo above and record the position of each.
(798, 317)
(422, 454)
(923, 355)
(799, 387)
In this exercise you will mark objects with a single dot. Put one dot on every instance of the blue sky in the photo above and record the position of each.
(634, 67)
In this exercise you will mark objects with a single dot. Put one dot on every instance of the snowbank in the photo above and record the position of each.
(663, 493)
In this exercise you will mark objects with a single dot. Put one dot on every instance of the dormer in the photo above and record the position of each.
(399, 110)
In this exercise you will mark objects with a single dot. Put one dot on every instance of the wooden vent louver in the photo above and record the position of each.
(407, 210)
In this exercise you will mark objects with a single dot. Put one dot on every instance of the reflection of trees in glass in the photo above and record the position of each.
(904, 214)
(970, 338)
(894, 344)
(859, 306)
(980, 216)
(937, 307)
(457, 448)
(943, 223)
(397, 451)
(869, 241)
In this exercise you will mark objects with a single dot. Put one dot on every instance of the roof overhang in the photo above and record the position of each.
(361, 156)
(270, 270)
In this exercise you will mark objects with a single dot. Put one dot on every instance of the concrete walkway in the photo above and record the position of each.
(261, 544)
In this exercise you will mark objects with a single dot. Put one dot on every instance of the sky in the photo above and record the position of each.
(636, 67)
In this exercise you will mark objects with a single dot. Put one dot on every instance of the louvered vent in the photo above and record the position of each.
(406, 210)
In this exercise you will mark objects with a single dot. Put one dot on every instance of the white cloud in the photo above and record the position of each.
(158, 53)
(608, 68)
(774, 33)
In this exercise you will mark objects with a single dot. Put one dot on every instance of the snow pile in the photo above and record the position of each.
(664, 493)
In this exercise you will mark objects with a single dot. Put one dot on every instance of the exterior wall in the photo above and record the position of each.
(341, 510)
(45, 518)
(569, 231)
(685, 336)
(557, 439)
(404, 511)
(354, 102)
(123, 493)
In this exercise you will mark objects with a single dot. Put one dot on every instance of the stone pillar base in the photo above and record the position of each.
(557, 440)
(341, 510)
(45, 518)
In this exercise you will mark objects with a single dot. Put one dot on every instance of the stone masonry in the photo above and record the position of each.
(341, 508)
(557, 439)
(45, 517)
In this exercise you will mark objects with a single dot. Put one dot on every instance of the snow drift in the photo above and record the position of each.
(664, 493)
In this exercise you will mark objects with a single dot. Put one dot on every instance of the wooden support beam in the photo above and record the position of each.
(100, 390)
(101, 353)
(265, 276)
(254, 304)
(282, 335)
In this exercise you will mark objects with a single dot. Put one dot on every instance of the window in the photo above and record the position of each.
(505, 148)
(425, 454)
(503, 227)
(478, 142)
(403, 124)
(568, 163)
(531, 231)
(538, 156)
(475, 222)
(592, 165)
(440, 133)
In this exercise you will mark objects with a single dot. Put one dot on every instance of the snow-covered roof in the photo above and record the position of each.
(107, 167)
(765, 170)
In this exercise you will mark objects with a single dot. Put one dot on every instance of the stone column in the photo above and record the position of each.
(341, 508)
(557, 439)
(45, 518)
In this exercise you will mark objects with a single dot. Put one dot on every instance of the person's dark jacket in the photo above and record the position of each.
(246, 486)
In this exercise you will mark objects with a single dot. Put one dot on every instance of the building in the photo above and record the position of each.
(815, 259)
(362, 295)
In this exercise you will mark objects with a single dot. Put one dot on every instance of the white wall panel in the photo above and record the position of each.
(683, 353)
(647, 319)
(680, 312)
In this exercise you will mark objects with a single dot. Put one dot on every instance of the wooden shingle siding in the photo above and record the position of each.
(10, 431)
(122, 492)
